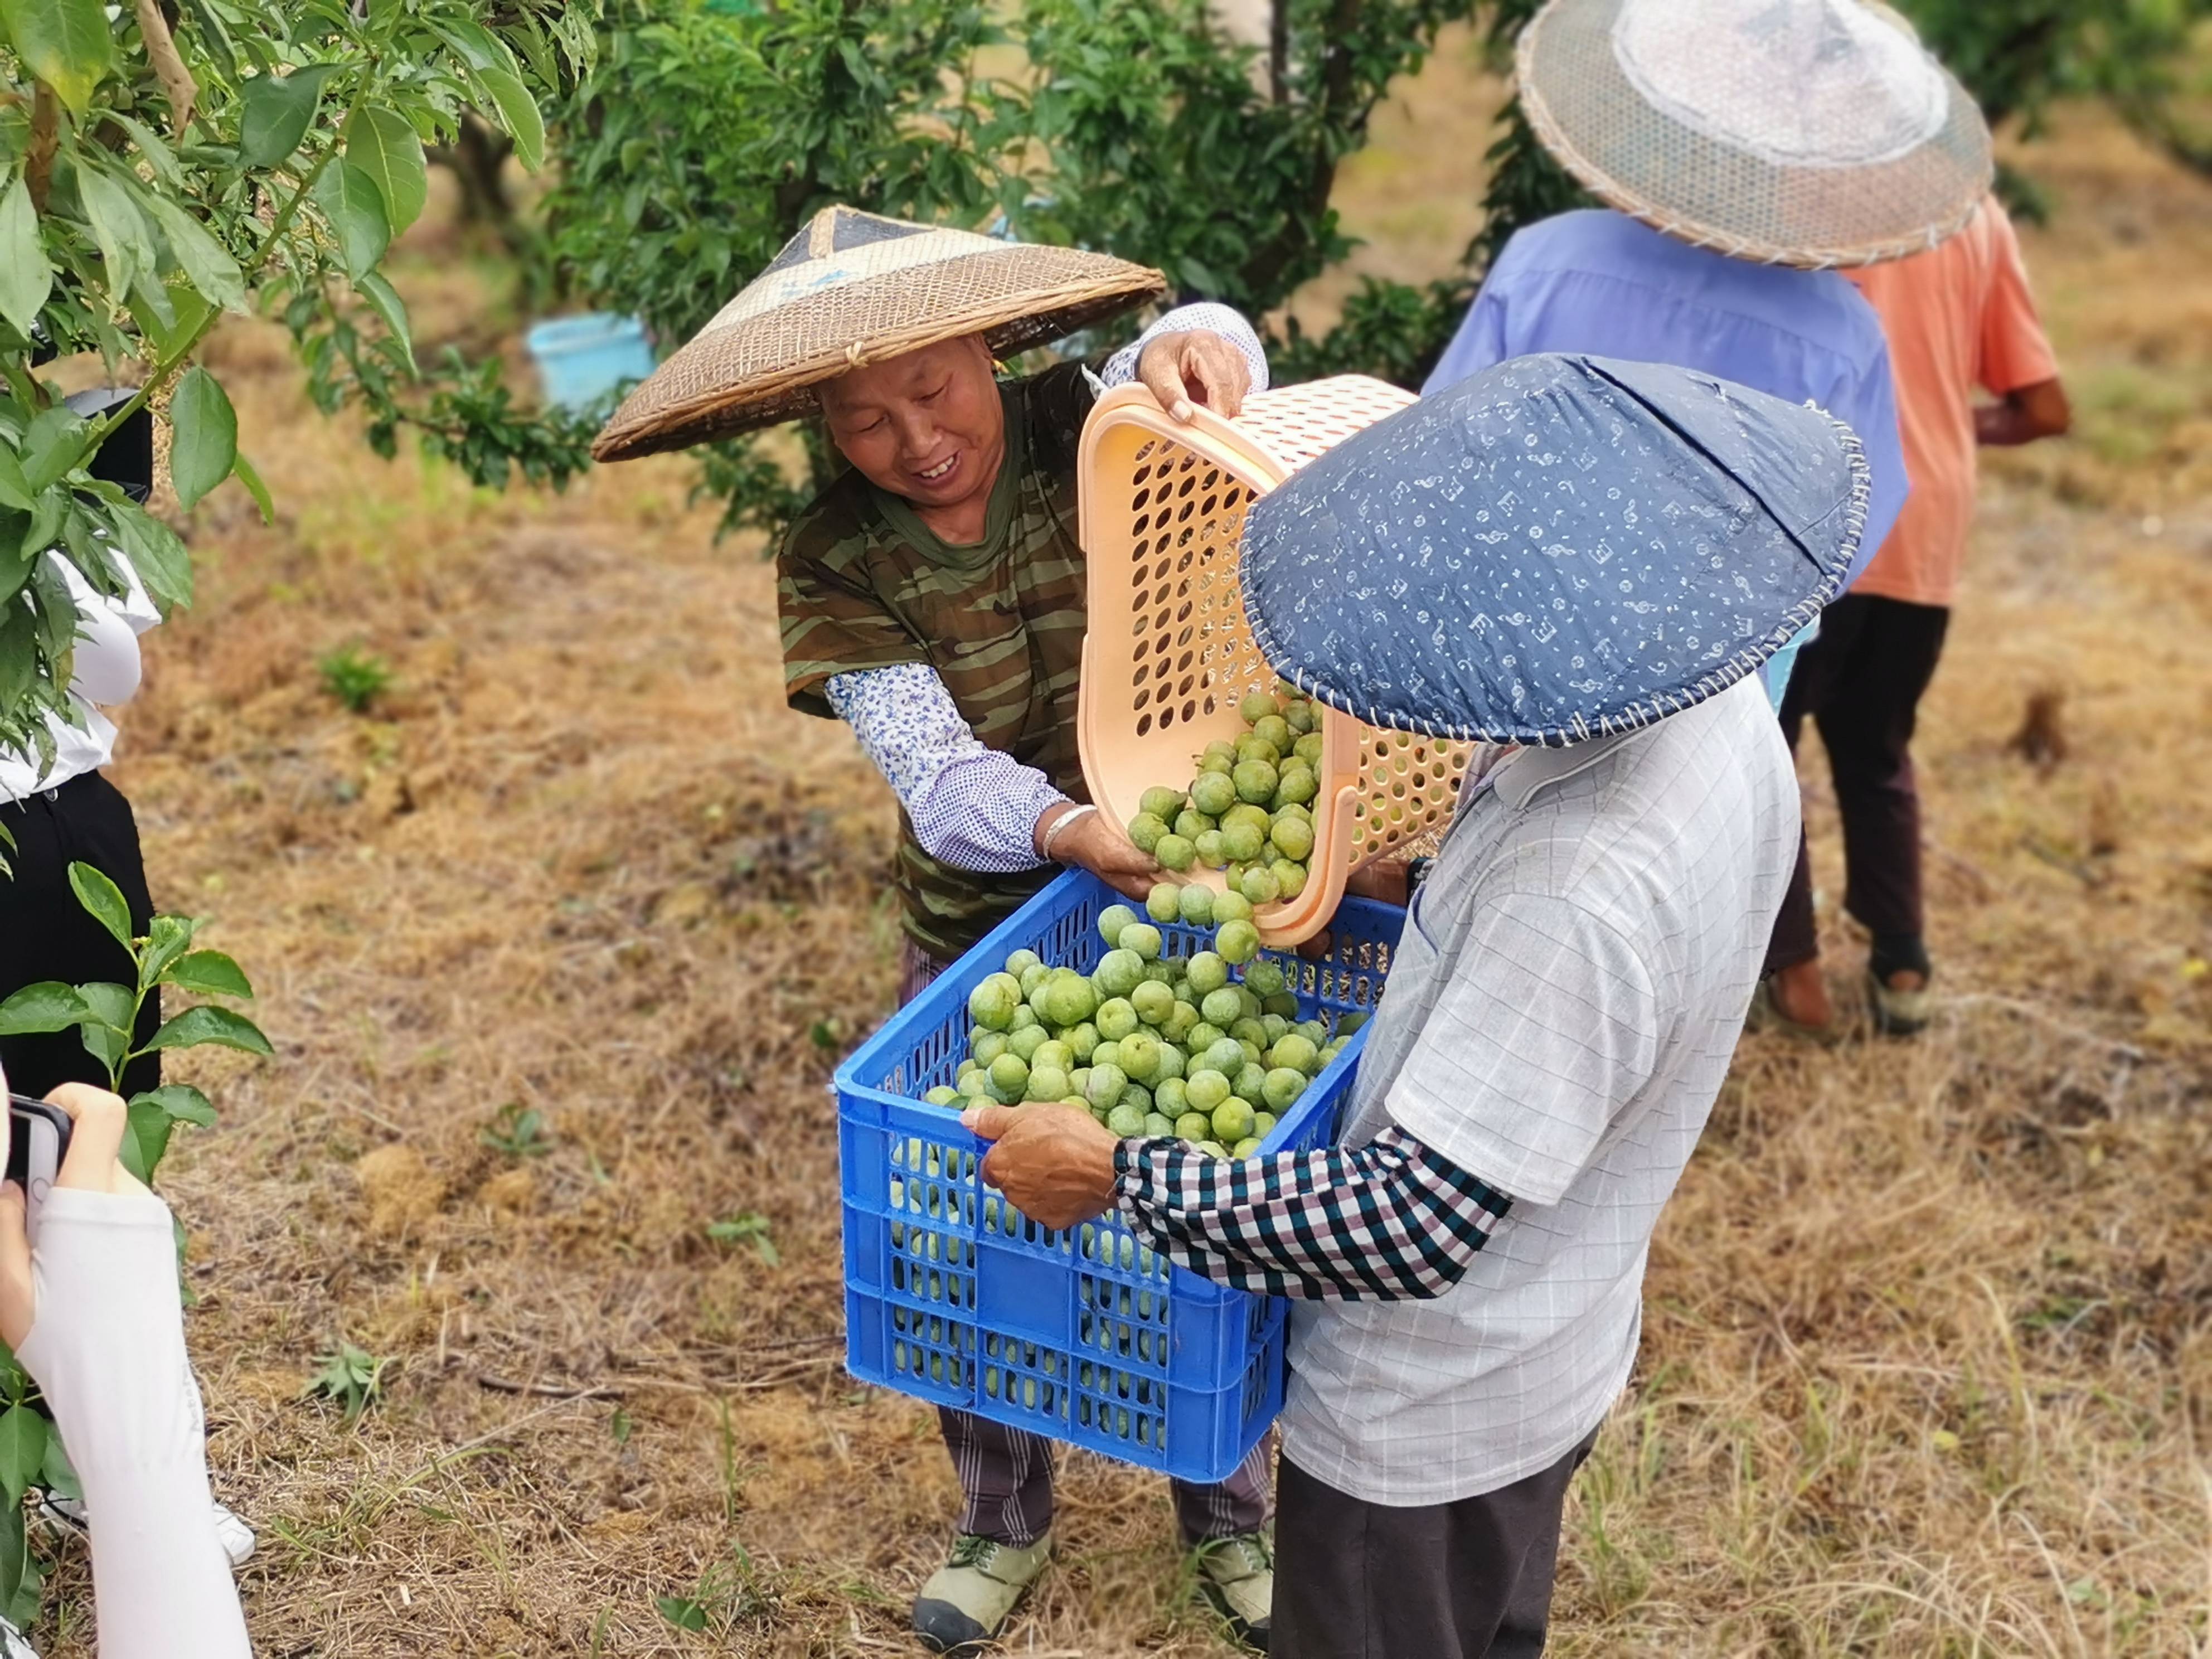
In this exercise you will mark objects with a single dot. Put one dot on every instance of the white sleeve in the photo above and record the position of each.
(108, 1348)
(108, 667)
(1208, 317)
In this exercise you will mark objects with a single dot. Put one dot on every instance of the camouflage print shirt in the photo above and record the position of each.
(862, 583)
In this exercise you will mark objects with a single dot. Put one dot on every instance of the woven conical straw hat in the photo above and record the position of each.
(1799, 132)
(854, 288)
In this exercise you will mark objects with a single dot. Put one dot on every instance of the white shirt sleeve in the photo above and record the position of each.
(971, 805)
(108, 667)
(1208, 317)
(108, 1348)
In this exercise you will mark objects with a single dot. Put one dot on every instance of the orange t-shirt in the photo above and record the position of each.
(1958, 316)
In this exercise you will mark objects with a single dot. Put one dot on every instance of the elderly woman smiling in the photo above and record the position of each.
(932, 597)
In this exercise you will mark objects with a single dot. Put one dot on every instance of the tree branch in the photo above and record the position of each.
(46, 135)
(162, 52)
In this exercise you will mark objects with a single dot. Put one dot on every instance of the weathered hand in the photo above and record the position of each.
(1094, 842)
(1195, 367)
(1054, 1163)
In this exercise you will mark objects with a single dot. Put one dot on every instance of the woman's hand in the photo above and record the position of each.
(1054, 1163)
(95, 1137)
(1093, 842)
(1195, 367)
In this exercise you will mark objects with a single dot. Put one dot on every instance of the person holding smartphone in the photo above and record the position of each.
(91, 1310)
(63, 810)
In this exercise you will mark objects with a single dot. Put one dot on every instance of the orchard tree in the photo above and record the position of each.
(703, 142)
(185, 159)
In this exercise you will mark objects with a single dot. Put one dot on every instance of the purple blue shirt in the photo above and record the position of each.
(1599, 282)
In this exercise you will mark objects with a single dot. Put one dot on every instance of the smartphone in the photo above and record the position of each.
(37, 1140)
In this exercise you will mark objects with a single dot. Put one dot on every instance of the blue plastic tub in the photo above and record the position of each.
(582, 362)
(1086, 1336)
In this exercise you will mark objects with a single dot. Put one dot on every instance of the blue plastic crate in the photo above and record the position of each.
(582, 362)
(1085, 1335)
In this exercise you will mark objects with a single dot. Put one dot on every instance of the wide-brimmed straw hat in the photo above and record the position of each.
(854, 288)
(1800, 132)
(1559, 548)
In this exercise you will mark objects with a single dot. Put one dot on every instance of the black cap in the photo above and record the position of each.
(126, 456)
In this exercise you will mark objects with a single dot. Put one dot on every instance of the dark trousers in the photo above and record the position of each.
(1006, 1485)
(1465, 1580)
(44, 934)
(1006, 1474)
(1861, 681)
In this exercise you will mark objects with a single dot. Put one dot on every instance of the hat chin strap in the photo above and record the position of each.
(1795, 84)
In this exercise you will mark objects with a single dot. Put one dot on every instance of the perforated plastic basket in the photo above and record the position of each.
(1169, 655)
(1083, 1335)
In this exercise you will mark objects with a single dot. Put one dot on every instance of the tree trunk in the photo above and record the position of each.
(477, 158)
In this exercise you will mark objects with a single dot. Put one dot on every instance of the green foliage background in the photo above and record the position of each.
(704, 139)
(188, 158)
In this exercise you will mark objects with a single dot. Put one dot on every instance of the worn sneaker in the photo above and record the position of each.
(1898, 1013)
(13, 1644)
(67, 1515)
(1238, 1574)
(966, 1600)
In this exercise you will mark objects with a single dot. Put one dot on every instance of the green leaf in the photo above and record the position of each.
(18, 1569)
(477, 46)
(119, 228)
(215, 37)
(188, 309)
(48, 1005)
(388, 305)
(151, 145)
(103, 901)
(167, 938)
(384, 144)
(204, 260)
(350, 201)
(208, 1023)
(146, 1130)
(65, 43)
(243, 471)
(682, 1612)
(206, 435)
(518, 113)
(155, 552)
(181, 1102)
(112, 1006)
(209, 973)
(278, 109)
(22, 1450)
(48, 512)
(57, 1475)
(27, 275)
(105, 1044)
(50, 446)
(15, 488)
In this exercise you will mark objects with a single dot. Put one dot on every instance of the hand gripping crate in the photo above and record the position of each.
(1083, 1335)
(1168, 656)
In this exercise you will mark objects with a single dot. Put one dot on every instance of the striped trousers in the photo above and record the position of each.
(1006, 1474)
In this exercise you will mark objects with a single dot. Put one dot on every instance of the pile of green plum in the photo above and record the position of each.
(1249, 810)
(1151, 1044)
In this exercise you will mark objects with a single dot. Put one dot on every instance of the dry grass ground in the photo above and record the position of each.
(1926, 1362)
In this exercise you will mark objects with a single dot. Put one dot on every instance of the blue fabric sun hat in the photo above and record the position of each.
(1559, 548)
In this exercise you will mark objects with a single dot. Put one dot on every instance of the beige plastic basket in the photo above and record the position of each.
(1169, 655)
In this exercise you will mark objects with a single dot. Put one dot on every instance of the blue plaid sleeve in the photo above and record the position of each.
(1389, 1221)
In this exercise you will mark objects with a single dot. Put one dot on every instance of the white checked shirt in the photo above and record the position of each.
(1559, 1018)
